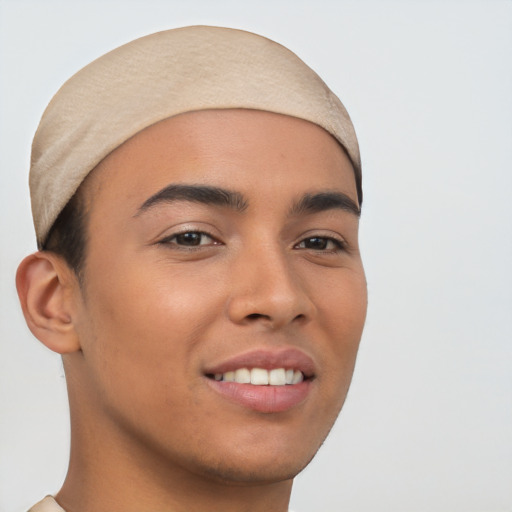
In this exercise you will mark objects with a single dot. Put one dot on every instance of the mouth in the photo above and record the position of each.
(264, 380)
(261, 376)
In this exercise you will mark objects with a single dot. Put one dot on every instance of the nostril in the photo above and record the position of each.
(256, 316)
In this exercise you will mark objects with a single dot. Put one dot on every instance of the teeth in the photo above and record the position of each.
(259, 377)
(229, 377)
(277, 377)
(243, 376)
(262, 377)
(297, 377)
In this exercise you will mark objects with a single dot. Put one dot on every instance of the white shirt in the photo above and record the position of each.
(47, 505)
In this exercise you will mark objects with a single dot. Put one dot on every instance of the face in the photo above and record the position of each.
(222, 247)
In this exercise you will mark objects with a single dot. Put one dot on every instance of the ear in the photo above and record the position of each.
(47, 289)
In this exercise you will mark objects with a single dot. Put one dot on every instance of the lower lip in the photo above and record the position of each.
(267, 399)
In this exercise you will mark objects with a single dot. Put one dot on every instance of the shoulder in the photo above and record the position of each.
(48, 504)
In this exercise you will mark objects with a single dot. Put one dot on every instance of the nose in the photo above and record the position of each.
(266, 289)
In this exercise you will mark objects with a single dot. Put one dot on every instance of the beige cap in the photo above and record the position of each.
(159, 76)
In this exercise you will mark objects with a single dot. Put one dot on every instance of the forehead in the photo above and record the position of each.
(236, 149)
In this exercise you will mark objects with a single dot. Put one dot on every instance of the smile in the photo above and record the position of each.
(264, 380)
(261, 376)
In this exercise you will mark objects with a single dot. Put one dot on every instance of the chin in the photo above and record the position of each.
(243, 464)
(255, 473)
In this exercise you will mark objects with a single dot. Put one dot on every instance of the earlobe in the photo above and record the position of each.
(45, 287)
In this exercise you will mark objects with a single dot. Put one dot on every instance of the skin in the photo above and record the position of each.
(148, 431)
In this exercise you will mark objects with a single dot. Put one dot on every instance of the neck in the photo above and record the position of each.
(110, 470)
(128, 491)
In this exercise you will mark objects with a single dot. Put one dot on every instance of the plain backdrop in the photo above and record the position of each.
(427, 425)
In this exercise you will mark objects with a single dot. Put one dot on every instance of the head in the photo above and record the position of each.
(210, 247)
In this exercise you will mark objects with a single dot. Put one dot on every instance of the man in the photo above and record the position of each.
(196, 196)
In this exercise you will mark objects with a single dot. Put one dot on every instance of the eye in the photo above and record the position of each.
(321, 243)
(190, 239)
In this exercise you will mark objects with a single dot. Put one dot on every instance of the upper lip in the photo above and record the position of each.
(269, 359)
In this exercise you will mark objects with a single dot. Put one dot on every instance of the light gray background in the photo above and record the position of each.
(427, 424)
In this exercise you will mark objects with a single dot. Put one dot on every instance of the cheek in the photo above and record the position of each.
(157, 305)
(143, 333)
(342, 305)
(342, 313)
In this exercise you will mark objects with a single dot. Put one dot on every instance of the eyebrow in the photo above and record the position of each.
(202, 194)
(209, 195)
(322, 201)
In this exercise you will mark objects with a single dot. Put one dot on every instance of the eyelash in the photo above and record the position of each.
(338, 245)
(172, 240)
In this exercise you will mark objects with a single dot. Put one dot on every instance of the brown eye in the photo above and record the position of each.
(316, 243)
(189, 239)
(320, 243)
